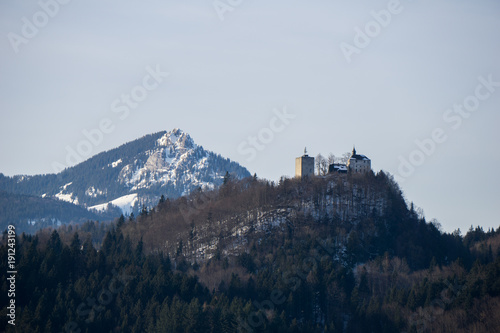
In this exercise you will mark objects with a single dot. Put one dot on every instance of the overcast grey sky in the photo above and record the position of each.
(235, 65)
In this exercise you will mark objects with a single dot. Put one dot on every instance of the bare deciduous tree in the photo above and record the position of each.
(331, 158)
(345, 158)
(324, 167)
(318, 161)
(321, 165)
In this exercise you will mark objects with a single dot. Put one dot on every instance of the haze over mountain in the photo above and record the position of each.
(133, 175)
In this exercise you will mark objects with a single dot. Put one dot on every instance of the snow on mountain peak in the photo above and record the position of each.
(165, 163)
(174, 155)
(173, 165)
(177, 139)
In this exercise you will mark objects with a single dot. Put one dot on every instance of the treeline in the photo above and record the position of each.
(72, 288)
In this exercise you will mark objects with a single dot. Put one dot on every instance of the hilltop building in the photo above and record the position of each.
(337, 167)
(304, 165)
(358, 163)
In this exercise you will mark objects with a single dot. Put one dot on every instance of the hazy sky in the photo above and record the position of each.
(256, 81)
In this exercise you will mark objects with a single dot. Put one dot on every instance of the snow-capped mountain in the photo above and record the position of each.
(177, 162)
(132, 175)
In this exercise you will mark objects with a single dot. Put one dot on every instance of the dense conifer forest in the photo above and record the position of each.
(348, 254)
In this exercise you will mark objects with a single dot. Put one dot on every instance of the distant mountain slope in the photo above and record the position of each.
(163, 163)
(30, 213)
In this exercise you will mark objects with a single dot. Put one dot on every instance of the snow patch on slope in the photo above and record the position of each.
(125, 203)
(115, 163)
(68, 197)
(94, 192)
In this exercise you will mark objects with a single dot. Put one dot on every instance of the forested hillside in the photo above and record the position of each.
(31, 213)
(343, 253)
(363, 215)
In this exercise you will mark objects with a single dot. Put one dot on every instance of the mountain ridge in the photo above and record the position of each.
(165, 163)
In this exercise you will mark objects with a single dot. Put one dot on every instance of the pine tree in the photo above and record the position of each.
(227, 178)
(120, 222)
(138, 250)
